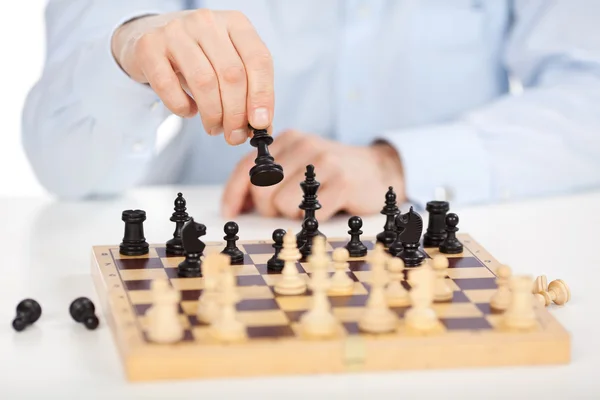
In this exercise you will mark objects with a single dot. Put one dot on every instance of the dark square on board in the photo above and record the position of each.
(260, 248)
(474, 323)
(269, 332)
(476, 283)
(138, 263)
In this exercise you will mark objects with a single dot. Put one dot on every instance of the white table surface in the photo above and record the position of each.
(46, 255)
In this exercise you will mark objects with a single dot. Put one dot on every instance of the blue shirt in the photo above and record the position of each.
(432, 77)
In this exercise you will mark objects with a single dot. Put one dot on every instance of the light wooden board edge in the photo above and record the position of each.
(145, 361)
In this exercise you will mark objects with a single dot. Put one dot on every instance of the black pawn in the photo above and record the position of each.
(311, 229)
(436, 229)
(134, 243)
(451, 244)
(274, 263)
(355, 246)
(83, 311)
(265, 171)
(28, 311)
(180, 217)
(390, 210)
(236, 255)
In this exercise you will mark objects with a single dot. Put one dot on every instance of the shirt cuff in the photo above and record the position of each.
(443, 162)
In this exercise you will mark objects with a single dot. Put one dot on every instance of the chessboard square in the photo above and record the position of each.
(263, 318)
(260, 248)
(244, 269)
(471, 324)
(464, 262)
(363, 276)
(359, 300)
(348, 314)
(434, 251)
(476, 283)
(249, 280)
(190, 295)
(480, 296)
(141, 309)
(294, 316)
(459, 296)
(172, 273)
(118, 256)
(352, 328)
(270, 332)
(255, 292)
(494, 319)
(188, 283)
(142, 284)
(293, 303)
(400, 311)
(308, 268)
(138, 263)
(189, 307)
(140, 297)
(172, 262)
(359, 265)
(261, 258)
(456, 310)
(214, 247)
(467, 273)
(140, 274)
(485, 308)
(257, 304)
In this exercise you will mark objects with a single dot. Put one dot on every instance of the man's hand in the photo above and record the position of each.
(353, 178)
(216, 55)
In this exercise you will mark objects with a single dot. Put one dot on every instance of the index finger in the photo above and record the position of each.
(259, 70)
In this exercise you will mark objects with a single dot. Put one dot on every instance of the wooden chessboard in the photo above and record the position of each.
(472, 337)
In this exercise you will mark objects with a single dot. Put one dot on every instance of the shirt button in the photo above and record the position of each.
(154, 105)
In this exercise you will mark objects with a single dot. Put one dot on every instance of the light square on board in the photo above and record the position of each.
(171, 262)
(140, 297)
(348, 314)
(260, 258)
(456, 310)
(272, 279)
(188, 283)
(139, 274)
(467, 273)
(293, 303)
(255, 292)
(263, 318)
(245, 269)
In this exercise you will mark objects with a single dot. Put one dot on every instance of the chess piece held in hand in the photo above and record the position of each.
(265, 171)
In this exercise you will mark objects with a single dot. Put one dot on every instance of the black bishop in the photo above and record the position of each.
(180, 217)
(390, 210)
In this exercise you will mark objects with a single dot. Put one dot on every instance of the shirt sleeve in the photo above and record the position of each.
(543, 141)
(88, 129)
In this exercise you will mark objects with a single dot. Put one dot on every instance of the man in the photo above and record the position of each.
(413, 94)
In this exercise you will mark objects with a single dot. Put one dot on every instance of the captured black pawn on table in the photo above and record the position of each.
(355, 246)
(311, 229)
(134, 243)
(236, 255)
(180, 217)
(265, 171)
(436, 229)
(390, 210)
(82, 310)
(193, 249)
(275, 263)
(410, 227)
(309, 203)
(451, 245)
(28, 311)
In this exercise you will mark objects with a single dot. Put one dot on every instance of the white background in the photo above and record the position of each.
(22, 43)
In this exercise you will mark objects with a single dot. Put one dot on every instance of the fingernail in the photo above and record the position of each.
(238, 136)
(261, 118)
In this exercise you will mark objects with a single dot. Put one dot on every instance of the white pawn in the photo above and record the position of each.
(422, 317)
(291, 283)
(442, 291)
(396, 294)
(164, 323)
(520, 314)
(378, 318)
(341, 283)
(226, 327)
(319, 321)
(208, 302)
(501, 298)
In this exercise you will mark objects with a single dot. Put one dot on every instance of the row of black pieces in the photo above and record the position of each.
(81, 309)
